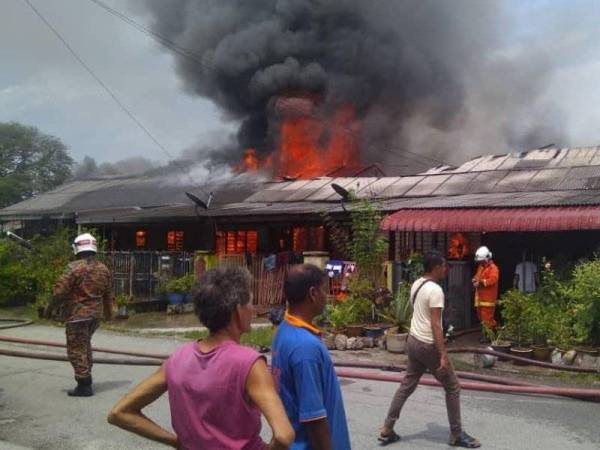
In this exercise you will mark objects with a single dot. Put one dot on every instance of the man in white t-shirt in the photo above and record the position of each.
(426, 351)
(526, 276)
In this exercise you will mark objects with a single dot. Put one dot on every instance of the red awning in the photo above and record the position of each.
(495, 219)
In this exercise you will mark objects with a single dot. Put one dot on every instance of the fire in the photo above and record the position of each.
(310, 146)
(252, 163)
(250, 160)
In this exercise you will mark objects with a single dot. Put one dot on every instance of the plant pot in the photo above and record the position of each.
(373, 331)
(396, 342)
(354, 330)
(502, 347)
(122, 312)
(521, 352)
(541, 352)
(175, 298)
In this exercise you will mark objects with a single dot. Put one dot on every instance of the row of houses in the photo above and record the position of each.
(545, 202)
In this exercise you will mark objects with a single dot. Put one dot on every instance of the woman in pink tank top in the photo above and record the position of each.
(217, 388)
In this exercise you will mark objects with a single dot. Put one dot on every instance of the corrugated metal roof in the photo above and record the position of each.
(186, 212)
(546, 176)
(522, 199)
(117, 193)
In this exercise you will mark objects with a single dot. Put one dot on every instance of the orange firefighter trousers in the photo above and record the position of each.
(485, 314)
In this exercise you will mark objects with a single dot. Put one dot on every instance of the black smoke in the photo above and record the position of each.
(418, 71)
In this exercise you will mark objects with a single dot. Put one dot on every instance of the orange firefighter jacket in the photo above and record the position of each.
(487, 293)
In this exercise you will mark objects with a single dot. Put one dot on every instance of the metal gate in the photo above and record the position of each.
(459, 294)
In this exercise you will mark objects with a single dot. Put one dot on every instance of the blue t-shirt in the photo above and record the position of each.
(308, 385)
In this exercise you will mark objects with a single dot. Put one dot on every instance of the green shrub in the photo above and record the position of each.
(516, 308)
(27, 276)
(122, 300)
(49, 261)
(340, 315)
(400, 310)
(182, 285)
(17, 284)
(357, 308)
(585, 295)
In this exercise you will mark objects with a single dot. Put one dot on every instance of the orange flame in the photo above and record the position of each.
(309, 145)
(250, 159)
(249, 163)
(312, 147)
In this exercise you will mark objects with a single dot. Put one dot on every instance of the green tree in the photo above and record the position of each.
(31, 162)
(368, 246)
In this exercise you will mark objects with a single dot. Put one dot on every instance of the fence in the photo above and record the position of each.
(267, 284)
(141, 274)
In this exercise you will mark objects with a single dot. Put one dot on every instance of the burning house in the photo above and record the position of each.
(545, 203)
(332, 97)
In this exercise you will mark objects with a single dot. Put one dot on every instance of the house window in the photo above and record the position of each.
(308, 239)
(140, 239)
(236, 242)
(175, 241)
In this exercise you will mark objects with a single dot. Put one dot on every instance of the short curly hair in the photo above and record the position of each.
(217, 293)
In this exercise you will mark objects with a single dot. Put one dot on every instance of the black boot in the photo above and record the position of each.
(83, 389)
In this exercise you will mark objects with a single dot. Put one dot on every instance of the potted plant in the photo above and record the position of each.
(515, 312)
(122, 301)
(345, 316)
(176, 288)
(497, 342)
(400, 314)
(357, 308)
(540, 326)
(187, 284)
(338, 317)
(381, 298)
(561, 333)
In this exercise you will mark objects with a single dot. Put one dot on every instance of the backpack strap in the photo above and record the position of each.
(414, 296)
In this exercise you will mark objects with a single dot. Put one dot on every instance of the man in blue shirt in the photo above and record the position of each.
(303, 369)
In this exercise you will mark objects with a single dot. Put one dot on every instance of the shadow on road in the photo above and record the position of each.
(104, 386)
(433, 433)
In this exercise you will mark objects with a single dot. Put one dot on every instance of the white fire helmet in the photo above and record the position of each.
(483, 254)
(84, 243)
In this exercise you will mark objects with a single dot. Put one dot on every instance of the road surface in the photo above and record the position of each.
(35, 411)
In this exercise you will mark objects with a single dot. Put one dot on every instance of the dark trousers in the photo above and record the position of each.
(422, 357)
(79, 346)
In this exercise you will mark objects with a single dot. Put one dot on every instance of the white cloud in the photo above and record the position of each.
(41, 84)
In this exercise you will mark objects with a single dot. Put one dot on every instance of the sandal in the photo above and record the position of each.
(388, 439)
(464, 440)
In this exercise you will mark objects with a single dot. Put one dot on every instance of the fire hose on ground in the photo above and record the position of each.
(486, 383)
(14, 323)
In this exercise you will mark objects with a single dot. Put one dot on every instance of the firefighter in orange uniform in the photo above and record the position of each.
(485, 283)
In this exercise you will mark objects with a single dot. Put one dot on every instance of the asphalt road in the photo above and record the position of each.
(35, 411)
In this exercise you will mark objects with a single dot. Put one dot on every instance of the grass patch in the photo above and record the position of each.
(257, 337)
(27, 312)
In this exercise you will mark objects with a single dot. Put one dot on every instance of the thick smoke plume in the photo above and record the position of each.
(431, 77)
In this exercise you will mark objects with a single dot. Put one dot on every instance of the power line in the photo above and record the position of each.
(163, 40)
(148, 31)
(104, 86)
